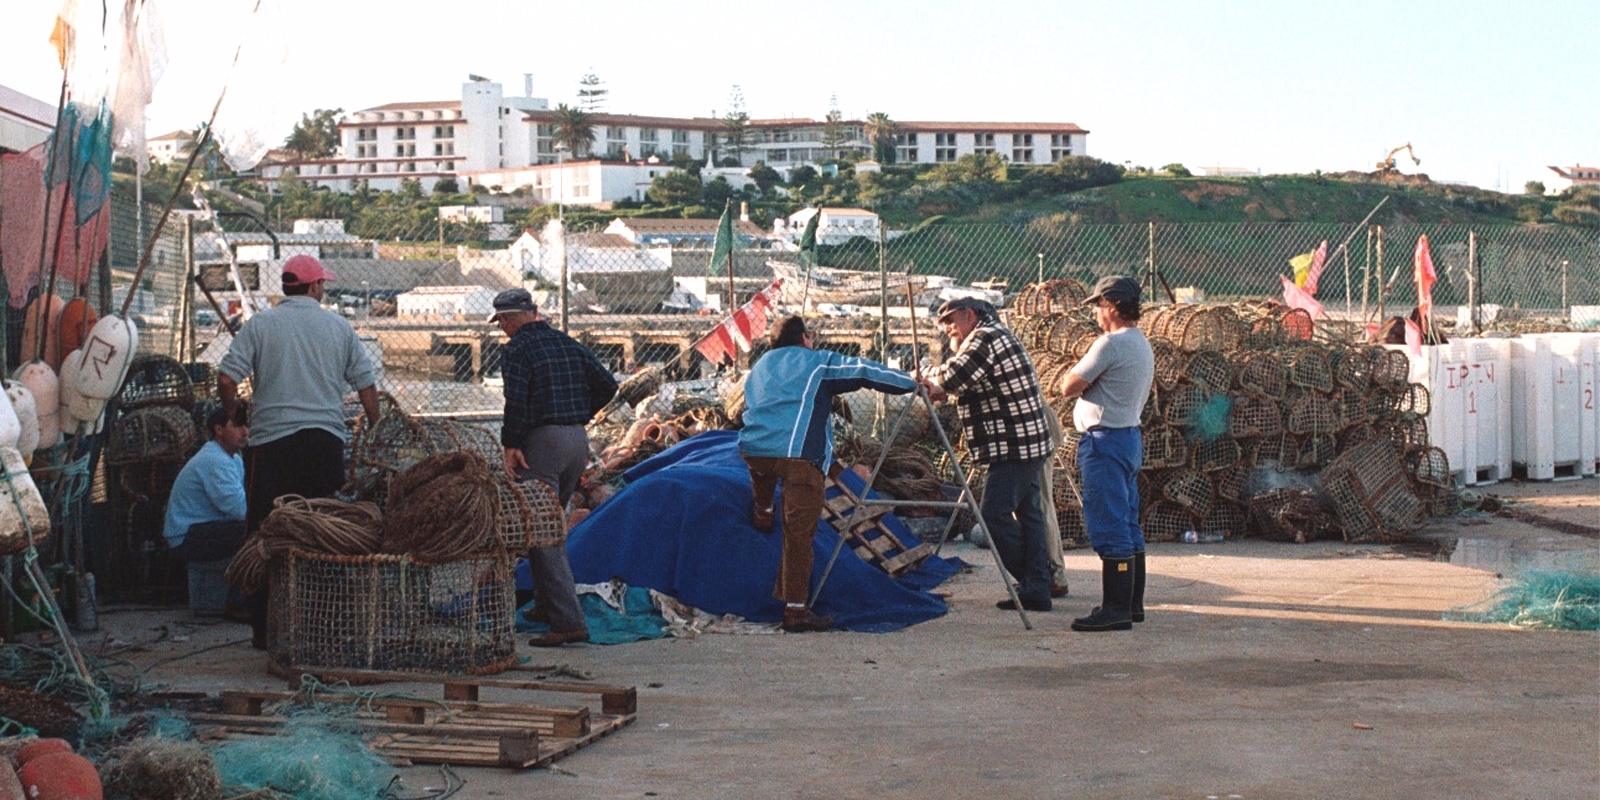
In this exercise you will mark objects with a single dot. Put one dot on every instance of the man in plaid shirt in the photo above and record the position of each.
(553, 387)
(1003, 423)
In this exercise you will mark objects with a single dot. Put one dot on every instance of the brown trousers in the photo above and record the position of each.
(802, 507)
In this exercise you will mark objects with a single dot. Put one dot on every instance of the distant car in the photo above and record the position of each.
(206, 318)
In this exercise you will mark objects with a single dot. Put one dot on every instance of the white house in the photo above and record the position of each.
(168, 147)
(448, 302)
(1569, 177)
(25, 121)
(696, 233)
(575, 183)
(466, 214)
(835, 226)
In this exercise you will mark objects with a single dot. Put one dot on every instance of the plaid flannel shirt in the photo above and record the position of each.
(550, 379)
(997, 395)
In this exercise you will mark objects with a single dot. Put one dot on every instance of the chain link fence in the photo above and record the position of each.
(417, 286)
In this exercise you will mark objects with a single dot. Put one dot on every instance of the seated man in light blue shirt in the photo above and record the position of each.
(206, 511)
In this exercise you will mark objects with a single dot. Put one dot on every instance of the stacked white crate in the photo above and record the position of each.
(1555, 430)
(1469, 418)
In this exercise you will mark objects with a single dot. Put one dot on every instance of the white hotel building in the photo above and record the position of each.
(489, 139)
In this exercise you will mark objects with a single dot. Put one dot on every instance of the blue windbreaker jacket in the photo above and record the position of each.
(789, 399)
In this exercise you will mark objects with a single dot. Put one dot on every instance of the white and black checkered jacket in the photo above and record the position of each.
(997, 395)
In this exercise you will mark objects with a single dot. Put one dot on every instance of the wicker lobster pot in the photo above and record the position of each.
(388, 612)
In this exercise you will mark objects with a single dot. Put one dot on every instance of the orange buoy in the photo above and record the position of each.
(44, 327)
(41, 747)
(61, 776)
(77, 319)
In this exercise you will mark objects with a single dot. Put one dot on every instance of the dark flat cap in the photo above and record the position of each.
(977, 306)
(510, 301)
(1116, 288)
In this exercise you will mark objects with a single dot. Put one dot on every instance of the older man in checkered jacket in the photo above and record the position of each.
(1003, 421)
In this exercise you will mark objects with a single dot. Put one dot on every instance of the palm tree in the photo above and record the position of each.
(880, 132)
(574, 128)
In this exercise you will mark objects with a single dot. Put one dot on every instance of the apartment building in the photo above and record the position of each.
(494, 140)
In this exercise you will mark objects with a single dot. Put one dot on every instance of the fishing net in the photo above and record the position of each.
(308, 761)
(1544, 599)
(390, 612)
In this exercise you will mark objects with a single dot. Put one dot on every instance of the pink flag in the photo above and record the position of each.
(1318, 259)
(1296, 297)
(1413, 338)
(1426, 277)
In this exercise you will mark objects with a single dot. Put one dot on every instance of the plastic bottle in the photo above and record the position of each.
(1193, 537)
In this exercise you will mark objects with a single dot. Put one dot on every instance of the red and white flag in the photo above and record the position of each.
(1426, 277)
(741, 327)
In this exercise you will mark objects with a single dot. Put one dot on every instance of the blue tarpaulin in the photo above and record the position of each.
(682, 527)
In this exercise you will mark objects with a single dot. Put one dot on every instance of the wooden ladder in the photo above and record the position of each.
(862, 527)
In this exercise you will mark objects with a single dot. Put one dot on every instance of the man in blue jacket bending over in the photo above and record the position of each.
(788, 436)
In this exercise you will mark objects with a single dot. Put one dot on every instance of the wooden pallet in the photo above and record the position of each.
(862, 527)
(458, 730)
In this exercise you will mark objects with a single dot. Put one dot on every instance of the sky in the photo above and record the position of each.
(1487, 93)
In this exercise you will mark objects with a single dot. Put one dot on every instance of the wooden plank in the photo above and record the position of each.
(434, 728)
(614, 699)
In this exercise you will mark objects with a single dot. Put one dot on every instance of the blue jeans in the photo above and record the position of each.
(1012, 511)
(1109, 459)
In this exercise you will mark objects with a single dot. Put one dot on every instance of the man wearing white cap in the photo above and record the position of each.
(301, 359)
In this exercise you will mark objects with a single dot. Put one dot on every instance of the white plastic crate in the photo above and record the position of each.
(1552, 428)
(1469, 415)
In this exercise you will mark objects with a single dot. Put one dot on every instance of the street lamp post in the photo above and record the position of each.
(561, 186)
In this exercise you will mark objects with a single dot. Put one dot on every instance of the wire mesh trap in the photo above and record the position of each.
(387, 612)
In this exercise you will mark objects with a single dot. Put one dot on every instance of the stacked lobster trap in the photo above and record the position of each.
(413, 571)
(1256, 424)
(155, 426)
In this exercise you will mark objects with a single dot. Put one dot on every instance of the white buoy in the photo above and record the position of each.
(106, 355)
(27, 415)
(10, 426)
(41, 380)
(24, 520)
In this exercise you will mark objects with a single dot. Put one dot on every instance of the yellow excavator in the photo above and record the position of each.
(1386, 166)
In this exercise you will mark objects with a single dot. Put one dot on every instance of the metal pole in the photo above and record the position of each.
(1566, 310)
(1366, 278)
(1473, 300)
(1380, 275)
(1150, 259)
(883, 297)
(1041, 267)
(561, 227)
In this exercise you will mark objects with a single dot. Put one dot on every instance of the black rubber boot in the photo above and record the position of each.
(1116, 586)
(1137, 606)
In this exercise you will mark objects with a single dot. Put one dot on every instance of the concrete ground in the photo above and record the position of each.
(1265, 671)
